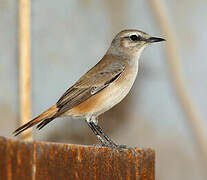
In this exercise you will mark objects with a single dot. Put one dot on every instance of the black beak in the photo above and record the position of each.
(155, 39)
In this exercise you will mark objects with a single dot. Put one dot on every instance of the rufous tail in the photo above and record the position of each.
(41, 120)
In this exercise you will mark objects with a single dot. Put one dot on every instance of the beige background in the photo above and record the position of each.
(68, 37)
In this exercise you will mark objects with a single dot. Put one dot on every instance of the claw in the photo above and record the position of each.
(122, 147)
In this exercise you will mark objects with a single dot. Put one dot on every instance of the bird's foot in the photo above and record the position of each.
(123, 147)
(102, 144)
(114, 146)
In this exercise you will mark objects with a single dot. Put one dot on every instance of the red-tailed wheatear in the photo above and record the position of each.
(102, 87)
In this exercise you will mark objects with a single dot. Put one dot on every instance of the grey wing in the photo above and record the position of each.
(88, 86)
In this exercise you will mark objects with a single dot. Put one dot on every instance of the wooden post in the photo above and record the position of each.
(24, 64)
(42, 161)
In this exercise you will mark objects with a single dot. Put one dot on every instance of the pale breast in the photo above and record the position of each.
(119, 89)
(109, 97)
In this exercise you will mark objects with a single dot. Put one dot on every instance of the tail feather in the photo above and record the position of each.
(43, 119)
(44, 123)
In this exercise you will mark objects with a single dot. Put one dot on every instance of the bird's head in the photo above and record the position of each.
(131, 43)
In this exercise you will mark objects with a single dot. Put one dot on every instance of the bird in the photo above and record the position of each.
(102, 87)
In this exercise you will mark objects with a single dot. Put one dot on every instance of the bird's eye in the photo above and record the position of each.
(134, 38)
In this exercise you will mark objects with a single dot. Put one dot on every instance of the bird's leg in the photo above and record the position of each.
(100, 130)
(91, 125)
(110, 141)
(94, 122)
(112, 144)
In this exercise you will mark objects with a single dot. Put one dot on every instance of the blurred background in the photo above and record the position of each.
(69, 37)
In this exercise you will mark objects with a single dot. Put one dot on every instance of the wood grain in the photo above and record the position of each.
(40, 160)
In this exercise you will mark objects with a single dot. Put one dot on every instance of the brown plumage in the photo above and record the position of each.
(45, 116)
(102, 87)
(94, 81)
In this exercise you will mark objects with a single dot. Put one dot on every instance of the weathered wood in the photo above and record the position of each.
(40, 160)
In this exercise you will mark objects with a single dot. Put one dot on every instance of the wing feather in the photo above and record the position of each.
(90, 84)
